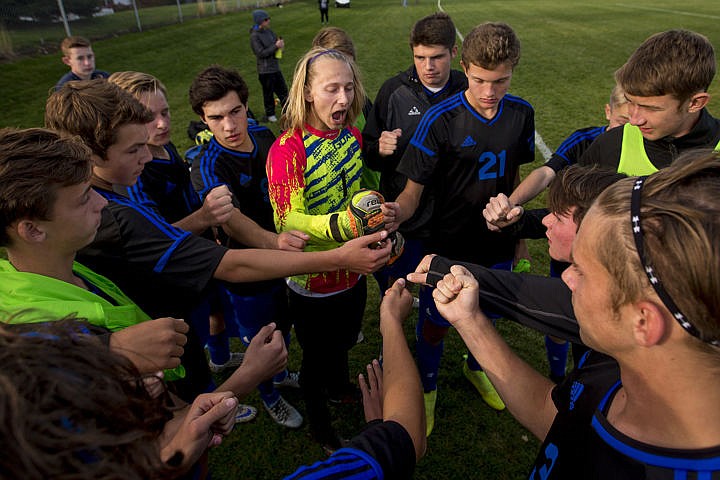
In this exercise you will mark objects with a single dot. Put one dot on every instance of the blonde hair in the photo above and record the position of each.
(617, 97)
(296, 111)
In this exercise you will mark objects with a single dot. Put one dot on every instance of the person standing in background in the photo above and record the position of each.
(324, 9)
(267, 47)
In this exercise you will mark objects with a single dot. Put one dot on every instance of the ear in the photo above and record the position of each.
(30, 231)
(698, 102)
(307, 94)
(608, 111)
(453, 51)
(66, 60)
(463, 67)
(650, 323)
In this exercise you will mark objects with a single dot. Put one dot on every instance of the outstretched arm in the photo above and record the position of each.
(526, 392)
(402, 393)
(541, 303)
(250, 265)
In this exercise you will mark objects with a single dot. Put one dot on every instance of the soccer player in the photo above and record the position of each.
(467, 149)
(267, 47)
(161, 267)
(49, 212)
(314, 171)
(665, 82)
(235, 159)
(643, 280)
(400, 103)
(79, 56)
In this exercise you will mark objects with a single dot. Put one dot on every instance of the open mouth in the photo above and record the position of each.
(339, 116)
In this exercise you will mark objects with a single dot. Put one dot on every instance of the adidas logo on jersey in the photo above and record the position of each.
(414, 111)
(468, 142)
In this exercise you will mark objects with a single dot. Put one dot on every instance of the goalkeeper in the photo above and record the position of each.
(314, 171)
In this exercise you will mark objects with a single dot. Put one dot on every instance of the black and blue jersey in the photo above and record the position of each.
(164, 269)
(384, 450)
(582, 443)
(465, 159)
(245, 176)
(573, 147)
(165, 185)
(243, 172)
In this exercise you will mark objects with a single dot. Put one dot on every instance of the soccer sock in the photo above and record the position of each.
(280, 376)
(557, 356)
(219, 348)
(428, 362)
(268, 393)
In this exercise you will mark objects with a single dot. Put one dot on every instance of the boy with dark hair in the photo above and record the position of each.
(400, 104)
(78, 55)
(235, 158)
(467, 149)
(267, 47)
(666, 83)
(163, 268)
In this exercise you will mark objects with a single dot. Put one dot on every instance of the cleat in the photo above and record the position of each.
(482, 384)
(236, 359)
(360, 337)
(272, 119)
(291, 380)
(245, 413)
(284, 414)
(430, 400)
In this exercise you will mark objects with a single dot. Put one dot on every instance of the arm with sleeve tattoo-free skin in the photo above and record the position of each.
(402, 392)
(250, 265)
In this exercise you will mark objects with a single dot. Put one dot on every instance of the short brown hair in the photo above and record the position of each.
(335, 38)
(680, 63)
(435, 29)
(94, 110)
(489, 45)
(680, 219)
(137, 83)
(577, 187)
(74, 42)
(214, 83)
(34, 163)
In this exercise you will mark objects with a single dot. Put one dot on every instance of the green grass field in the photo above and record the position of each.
(570, 51)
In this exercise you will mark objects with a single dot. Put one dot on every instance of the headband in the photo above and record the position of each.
(665, 297)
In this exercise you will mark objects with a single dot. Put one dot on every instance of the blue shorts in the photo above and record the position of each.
(429, 311)
(246, 315)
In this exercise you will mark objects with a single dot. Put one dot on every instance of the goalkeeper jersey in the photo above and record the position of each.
(312, 176)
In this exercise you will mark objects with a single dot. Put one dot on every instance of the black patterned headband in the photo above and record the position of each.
(650, 272)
